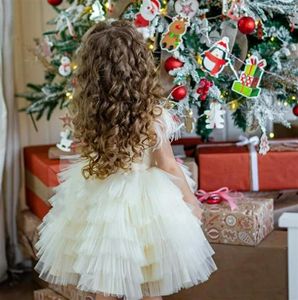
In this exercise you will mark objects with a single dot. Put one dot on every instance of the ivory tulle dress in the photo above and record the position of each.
(130, 235)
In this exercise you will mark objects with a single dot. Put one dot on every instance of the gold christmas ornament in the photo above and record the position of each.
(234, 105)
(88, 10)
(199, 59)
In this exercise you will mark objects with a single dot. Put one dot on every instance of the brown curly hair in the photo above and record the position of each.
(116, 99)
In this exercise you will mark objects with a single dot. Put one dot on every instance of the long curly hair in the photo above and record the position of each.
(116, 99)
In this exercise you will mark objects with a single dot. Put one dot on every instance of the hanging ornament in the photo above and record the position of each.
(55, 2)
(186, 8)
(203, 89)
(246, 25)
(260, 30)
(66, 141)
(294, 20)
(216, 58)
(172, 38)
(66, 120)
(189, 120)
(179, 92)
(264, 144)
(234, 105)
(295, 110)
(65, 67)
(173, 63)
(236, 9)
(248, 85)
(214, 116)
(98, 13)
(149, 9)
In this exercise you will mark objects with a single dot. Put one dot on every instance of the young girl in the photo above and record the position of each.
(124, 221)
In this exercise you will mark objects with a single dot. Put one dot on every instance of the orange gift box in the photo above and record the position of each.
(189, 144)
(41, 177)
(225, 165)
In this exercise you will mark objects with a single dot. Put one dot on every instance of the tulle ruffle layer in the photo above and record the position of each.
(130, 235)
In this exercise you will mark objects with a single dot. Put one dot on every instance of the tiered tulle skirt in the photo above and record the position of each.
(130, 235)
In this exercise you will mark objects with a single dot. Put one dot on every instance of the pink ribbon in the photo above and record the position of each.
(179, 160)
(224, 193)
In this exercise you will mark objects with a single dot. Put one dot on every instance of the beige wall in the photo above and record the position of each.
(30, 21)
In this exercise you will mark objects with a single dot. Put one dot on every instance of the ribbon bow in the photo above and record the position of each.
(255, 61)
(223, 193)
(245, 141)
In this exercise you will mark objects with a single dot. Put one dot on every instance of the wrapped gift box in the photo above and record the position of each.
(246, 273)
(225, 164)
(248, 225)
(71, 292)
(284, 201)
(188, 145)
(27, 230)
(47, 294)
(41, 177)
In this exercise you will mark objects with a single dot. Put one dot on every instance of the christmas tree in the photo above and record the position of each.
(237, 55)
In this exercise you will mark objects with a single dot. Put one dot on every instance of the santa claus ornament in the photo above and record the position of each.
(186, 8)
(148, 11)
(217, 57)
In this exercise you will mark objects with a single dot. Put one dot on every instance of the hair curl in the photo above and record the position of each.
(116, 98)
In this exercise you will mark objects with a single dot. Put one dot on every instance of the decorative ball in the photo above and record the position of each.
(214, 199)
(246, 25)
(295, 110)
(55, 2)
(172, 63)
(179, 92)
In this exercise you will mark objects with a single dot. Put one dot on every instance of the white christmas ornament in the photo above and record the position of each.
(65, 67)
(186, 8)
(65, 141)
(217, 57)
(98, 12)
(215, 115)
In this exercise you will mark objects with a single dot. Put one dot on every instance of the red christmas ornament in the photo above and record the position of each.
(55, 2)
(246, 25)
(179, 92)
(172, 63)
(214, 199)
(203, 88)
(260, 30)
(295, 110)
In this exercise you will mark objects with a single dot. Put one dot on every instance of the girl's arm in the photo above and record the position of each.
(165, 160)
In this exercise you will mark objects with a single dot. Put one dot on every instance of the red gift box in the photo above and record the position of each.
(225, 164)
(41, 177)
(189, 144)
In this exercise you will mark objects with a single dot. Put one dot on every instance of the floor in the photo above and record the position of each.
(20, 287)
